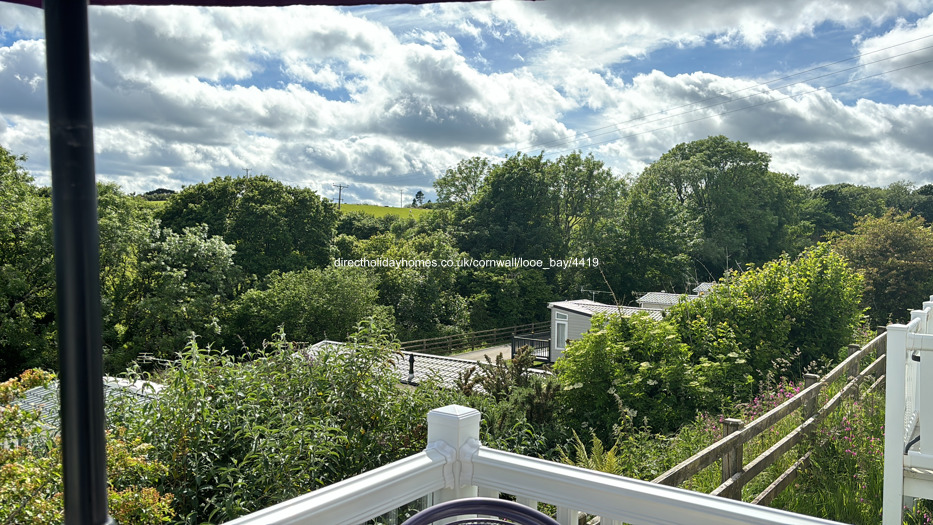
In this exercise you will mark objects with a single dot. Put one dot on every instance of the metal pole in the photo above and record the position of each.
(77, 263)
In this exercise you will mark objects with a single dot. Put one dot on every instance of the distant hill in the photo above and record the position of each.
(382, 211)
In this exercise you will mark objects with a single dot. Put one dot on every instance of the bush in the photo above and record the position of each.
(31, 471)
(629, 364)
(810, 304)
(241, 436)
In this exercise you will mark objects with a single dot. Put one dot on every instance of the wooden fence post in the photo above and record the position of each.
(732, 461)
(810, 407)
(853, 367)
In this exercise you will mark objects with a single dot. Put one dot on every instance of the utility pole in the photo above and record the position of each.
(401, 203)
(247, 171)
(340, 188)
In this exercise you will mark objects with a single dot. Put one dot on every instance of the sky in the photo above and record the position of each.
(384, 99)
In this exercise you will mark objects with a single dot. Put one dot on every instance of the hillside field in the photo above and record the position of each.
(382, 211)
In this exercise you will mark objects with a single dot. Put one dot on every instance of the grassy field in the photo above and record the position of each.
(382, 211)
(372, 209)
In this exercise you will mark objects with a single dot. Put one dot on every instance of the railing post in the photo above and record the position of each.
(732, 461)
(895, 407)
(449, 429)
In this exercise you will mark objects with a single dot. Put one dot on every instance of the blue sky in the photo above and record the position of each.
(385, 98)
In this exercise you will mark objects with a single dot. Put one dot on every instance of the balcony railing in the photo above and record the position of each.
(540, 343)
(908, 452)
(455, 465)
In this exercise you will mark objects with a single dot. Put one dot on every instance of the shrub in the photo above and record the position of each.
(31, 472)
(241, 436)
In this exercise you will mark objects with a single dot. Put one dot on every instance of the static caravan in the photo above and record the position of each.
(571, 319)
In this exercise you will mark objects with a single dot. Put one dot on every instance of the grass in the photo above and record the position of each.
(382, 211)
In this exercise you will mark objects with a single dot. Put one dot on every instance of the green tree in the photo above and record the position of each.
(645, 243)
(893, 253)
(183, 286)
(837, 206)
(460, 184)
(625, 367)
(747, 212)
(513, 214)
(272, 226)
(239, 436)
(585, 191)
(309, 305)
(124, 224)
(785, 314)
(27, 274)
(414, 282)
(506, 296)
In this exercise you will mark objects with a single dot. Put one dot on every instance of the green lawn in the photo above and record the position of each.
(382, 211)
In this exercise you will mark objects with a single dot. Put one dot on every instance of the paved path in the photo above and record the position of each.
(505, 350)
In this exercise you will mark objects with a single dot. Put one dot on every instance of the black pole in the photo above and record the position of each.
(77, 263)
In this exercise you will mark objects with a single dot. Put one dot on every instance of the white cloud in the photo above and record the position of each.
(387, 99)
(906, 51)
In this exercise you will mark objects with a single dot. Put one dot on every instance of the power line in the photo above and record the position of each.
(584, 135)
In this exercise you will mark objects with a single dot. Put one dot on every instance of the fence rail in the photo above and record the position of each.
(736, 474)
(471, 340)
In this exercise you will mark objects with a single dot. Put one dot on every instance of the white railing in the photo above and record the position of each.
(908, 473)
(455, 465)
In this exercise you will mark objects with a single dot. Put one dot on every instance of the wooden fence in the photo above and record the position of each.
(472, 340)
(736, 473)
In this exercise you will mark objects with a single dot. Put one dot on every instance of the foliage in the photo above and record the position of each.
(746, 211)
(460, 184)
(645, 244)
(810, 304)
(512, 213)
(238, 437)
(629, 365)
(183, 283)
(363, 225)
(31, 470)
(846, 469)
(505, 296)
(893, 253)
(311, 305)
(271, 226)
(420, 289)
(27, 277)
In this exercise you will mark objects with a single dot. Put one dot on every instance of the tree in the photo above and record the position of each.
(785, 314)
(309, 305)
(747, 212)
(271, 226)
(644, 244)
(460, 184)
(584, 193)
(183, 285)
(417, 282)
(893, 253)
(631, 365)
(27, 274)
(513, 214)
(838, 205)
